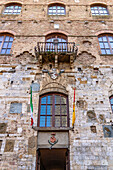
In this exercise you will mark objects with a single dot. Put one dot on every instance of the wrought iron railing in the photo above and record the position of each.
(59, 47)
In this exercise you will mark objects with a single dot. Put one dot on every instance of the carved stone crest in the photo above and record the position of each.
(54, 74)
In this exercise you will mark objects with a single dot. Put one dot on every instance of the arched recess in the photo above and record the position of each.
(8, 32)
(53, 87)
(56, 36)
(98, 3)
(54, 32)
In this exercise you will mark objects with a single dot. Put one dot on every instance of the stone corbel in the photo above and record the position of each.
(40, 61)
(71, 61)
(56, 61)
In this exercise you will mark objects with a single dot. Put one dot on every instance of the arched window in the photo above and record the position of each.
(14, 9)
(56, 42)
(111, 102)
(53, 110)
(106, 44)
(56, 9)
(99, 10)
(6, 41)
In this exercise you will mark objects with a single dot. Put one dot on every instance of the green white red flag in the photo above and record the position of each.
(31, 108)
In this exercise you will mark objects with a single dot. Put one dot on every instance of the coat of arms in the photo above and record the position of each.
(53, 73)
(52, 140)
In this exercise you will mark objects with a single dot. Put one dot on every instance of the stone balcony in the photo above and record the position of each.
(56, 52)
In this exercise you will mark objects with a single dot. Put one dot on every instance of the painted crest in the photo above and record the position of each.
(52, 140)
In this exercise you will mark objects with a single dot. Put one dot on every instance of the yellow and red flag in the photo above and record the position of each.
(73, 119)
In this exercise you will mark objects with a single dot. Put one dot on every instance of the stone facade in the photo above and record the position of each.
(91, 75)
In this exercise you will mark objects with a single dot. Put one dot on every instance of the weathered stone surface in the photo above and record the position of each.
(91, 115)
(85, 58)
(35, 87)
(3, 127)
(9, 146)
(0, 144)
(28, 107)
(81, 103)
(32, 145)
(16, 108)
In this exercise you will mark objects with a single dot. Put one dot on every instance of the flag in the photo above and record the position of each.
(31, 108)
(73, 119)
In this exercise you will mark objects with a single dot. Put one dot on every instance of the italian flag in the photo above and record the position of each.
(73, 119)
(31, 108)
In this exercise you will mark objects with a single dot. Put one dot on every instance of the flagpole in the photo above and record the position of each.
(31, 108)
(73, 118)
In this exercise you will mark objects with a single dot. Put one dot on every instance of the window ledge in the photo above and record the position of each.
(56, 15)
(9, 15)
(45, 129)
(106, 54)
(5, 54)
(101, 16)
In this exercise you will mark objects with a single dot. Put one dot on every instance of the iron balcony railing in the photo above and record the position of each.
(58, 47)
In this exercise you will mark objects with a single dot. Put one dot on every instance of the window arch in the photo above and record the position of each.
(111, 102)
(56, 36)
(6, 41)
(99, 9)
(56, 9)
(106, 44)
(53, 110)
(13, 9)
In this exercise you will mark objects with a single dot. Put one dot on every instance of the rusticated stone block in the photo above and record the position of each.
(3, 127)
(32, 145)
(9, 145)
